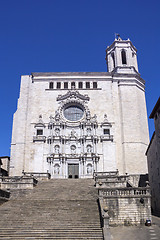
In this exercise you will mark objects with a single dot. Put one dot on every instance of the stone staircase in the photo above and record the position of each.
(55, 209)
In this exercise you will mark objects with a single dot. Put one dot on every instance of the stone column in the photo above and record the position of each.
(106, 231)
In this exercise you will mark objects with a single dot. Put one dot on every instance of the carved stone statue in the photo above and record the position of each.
(57, 116)
(89, 169)
(88, 131)
(57, 148)
(89, 148)
(56, 169)
(51, 118)
(94, 118)
(73, 133)
(57, 131)
(88, 115)
(73, 149)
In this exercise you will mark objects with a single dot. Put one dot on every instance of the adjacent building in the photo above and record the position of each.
(4, 165)
(153, 157)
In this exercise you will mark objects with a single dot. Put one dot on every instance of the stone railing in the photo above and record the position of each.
(124, 192)
(18, 182)
(124, 206)
(37, 175)
(106, 138)
(100, 175)
(39, 138)
(110, 180)
(104, 217)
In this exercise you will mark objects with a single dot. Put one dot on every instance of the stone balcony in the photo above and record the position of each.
(39, 138)
(106, 138)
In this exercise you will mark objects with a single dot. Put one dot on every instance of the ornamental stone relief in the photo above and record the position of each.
(74, 135)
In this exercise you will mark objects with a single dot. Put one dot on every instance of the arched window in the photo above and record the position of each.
(80, 85)
(87, 84)
(113, 59)
(58, 85)
(94, 84)
(51, 85)
(65, 85)
(123, 55)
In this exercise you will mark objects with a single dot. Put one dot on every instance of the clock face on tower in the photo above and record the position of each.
(73, 112)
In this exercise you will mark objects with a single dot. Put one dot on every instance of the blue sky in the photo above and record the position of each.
(72, 35)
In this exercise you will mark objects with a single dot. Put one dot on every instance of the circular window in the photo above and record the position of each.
(73, 113)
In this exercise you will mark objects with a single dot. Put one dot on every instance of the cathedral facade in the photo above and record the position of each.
(72, 124)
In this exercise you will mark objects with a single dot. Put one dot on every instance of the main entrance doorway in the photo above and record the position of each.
(73, 170)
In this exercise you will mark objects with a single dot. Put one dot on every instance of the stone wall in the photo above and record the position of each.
(123, 103)
(153, 158)
(121, 197)
(126, 206)
(22, 182)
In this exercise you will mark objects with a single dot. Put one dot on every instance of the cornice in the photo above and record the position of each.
(69, 74)
(116, 42)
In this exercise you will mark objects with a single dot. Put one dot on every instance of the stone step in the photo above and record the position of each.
(55, 209)
(57, 237)
(50, 230)
(71, 233)
(53, 234)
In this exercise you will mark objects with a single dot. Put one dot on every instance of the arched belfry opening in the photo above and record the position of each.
(113, 59)
(123, 56)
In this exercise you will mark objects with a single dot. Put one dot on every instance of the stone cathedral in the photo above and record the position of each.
(72, 124)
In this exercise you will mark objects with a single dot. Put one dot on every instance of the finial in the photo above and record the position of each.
(51, 118)
(57, 116)
(105, 117)
(117, 36)
(40, 119)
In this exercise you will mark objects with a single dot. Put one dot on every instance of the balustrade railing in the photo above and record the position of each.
(106, 138)
(18, 179)
(37, 174)
(97, 175)
(39, 138)
(124, 192)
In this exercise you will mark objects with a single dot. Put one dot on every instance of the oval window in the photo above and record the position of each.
(73, 113)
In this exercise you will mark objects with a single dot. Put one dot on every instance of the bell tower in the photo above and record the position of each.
(121, 56)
